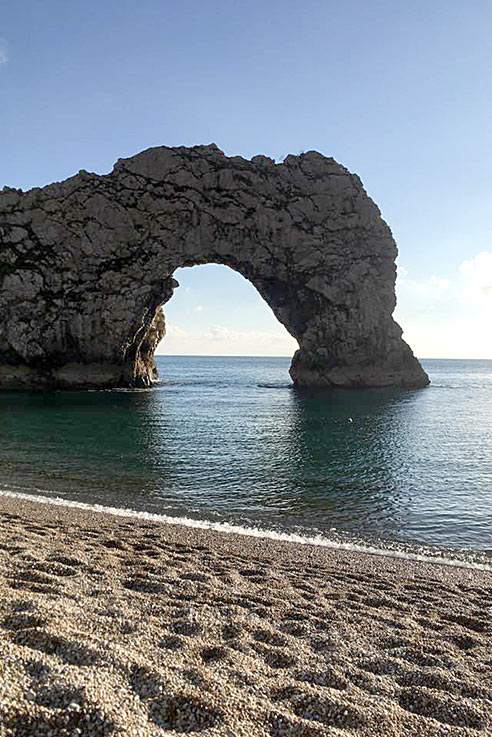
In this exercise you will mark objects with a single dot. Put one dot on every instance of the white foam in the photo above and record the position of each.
(227, 528)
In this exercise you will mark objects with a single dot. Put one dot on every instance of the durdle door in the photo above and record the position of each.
(86, 265)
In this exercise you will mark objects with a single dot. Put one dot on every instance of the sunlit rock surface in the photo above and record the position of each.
(86, 264)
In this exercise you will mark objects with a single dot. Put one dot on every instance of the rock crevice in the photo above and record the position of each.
(86, 265)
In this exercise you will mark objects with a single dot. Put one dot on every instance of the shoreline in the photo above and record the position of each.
(121, 625)
(225, 528)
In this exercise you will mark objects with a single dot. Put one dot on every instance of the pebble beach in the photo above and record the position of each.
(120, 626)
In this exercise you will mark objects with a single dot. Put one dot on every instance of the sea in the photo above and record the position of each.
(229, 443)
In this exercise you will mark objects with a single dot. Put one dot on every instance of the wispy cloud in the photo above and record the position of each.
(473, 283)
(449, 317)
(221, 334)
(174, 332)
(220, 340)
(434, 286)
(198, 308)
(478, 275)
(4, 56)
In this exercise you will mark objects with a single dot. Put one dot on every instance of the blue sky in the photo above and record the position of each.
(399, 92)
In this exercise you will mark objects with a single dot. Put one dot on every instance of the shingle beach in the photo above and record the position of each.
(121, 626)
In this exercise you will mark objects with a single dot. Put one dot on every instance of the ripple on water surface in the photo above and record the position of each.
(229, 440)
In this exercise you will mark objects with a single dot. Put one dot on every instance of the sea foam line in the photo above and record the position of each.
(257, 532)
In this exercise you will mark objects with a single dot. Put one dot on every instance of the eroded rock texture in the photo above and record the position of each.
(86, 264)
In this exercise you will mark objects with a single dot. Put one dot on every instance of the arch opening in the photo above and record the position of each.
(216, 311)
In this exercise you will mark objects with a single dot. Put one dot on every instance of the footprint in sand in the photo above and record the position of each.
(37, 669)
(23, 605)
(464, 642)
(89, 719)
(40, 531)
(194, 577)
(129, 628)
(66, 561)
(294, 616)
(70, 652)
(31, 576)
(195, 678)
(443, 707)
(60, 695)
(187, 628)
(144, 585)
(253, 573)
(56, 569)
(323, 644)
(145, 682)
(293, 628)
(213, 654)
(35, 588)
(20, 621)
(270, 638)
(329, 712)
(184, 713)
(276, 658)
(471, 623)
(423, 657)
(372, 684)
(232, 631)
(172, 642)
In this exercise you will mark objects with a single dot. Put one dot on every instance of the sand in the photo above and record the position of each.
(118, 626)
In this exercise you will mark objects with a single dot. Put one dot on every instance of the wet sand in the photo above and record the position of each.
(118, 626)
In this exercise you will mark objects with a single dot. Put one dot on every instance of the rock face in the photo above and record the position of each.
(86, 264)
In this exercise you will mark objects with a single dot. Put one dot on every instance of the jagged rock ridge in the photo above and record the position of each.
(86, 264)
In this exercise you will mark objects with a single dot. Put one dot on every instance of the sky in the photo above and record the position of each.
(399, 92)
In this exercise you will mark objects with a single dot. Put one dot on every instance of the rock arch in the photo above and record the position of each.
(86, 265)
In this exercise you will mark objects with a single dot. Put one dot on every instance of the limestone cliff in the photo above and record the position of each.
(86, 264)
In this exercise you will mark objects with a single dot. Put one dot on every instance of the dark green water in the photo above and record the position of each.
(229, 440)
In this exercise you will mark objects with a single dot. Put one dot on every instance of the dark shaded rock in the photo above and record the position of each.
(86, 264)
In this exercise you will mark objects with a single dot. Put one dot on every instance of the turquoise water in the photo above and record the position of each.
(229, 439)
